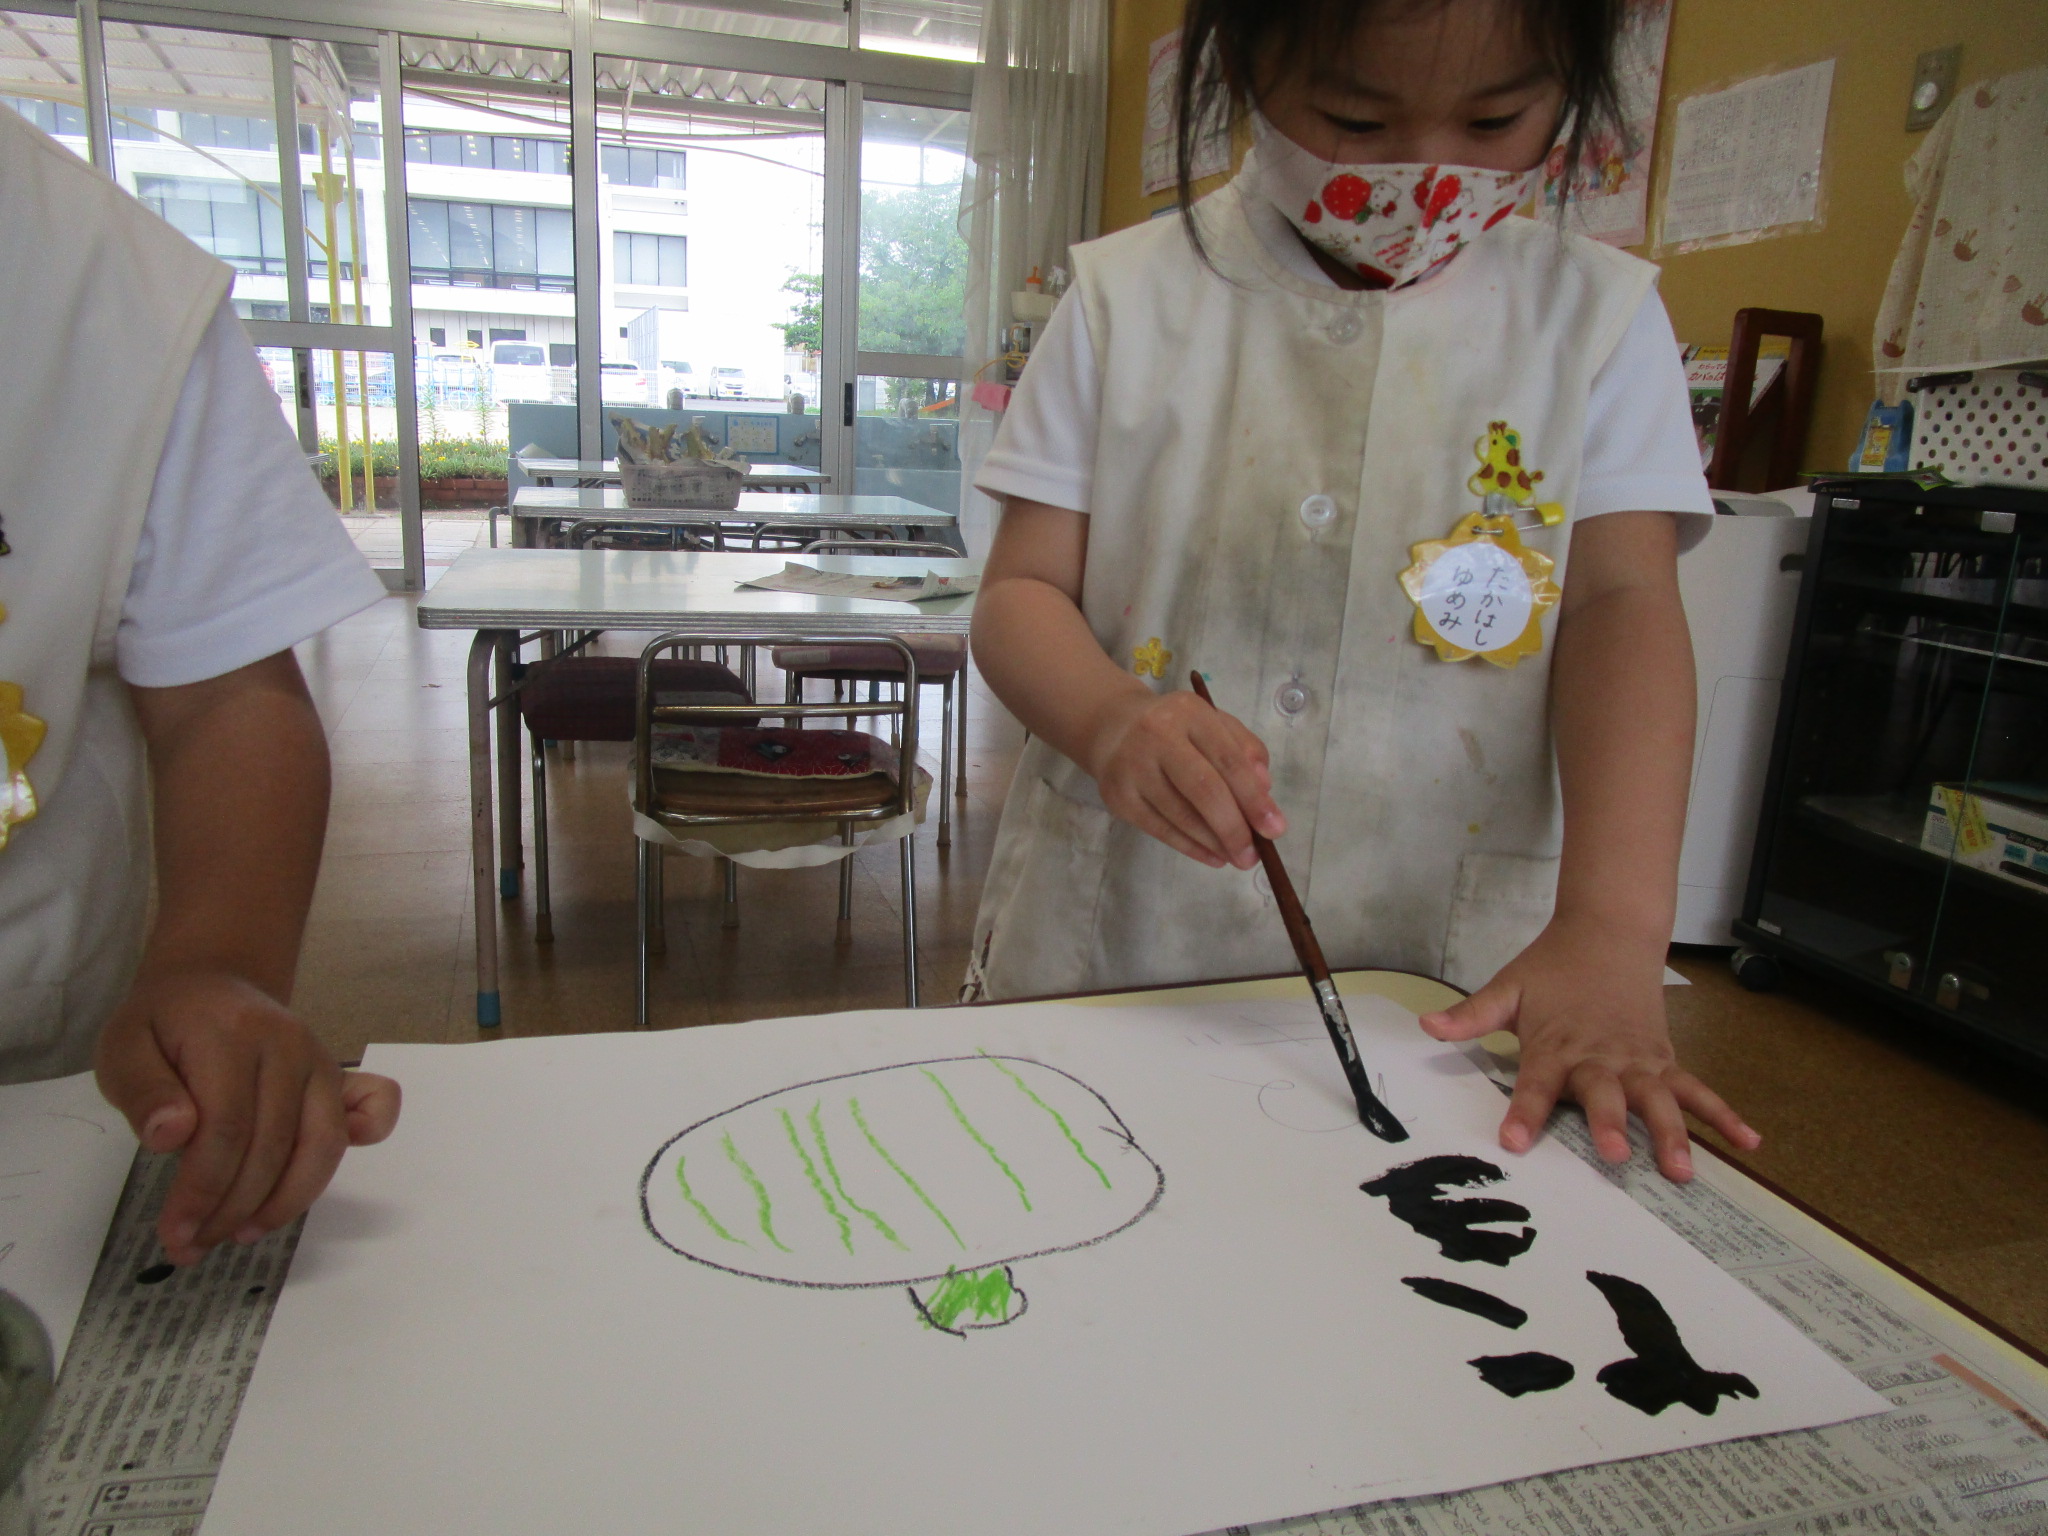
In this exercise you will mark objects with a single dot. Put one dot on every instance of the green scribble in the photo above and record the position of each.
(701, 1208)
(979, 1139)
(985, 1293)
(1057, 1118)
(816, 1118)
(883, 1153)
(818, 1184)
(760, 1192)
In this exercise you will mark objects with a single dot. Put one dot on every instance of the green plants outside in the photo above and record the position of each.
(459, 458)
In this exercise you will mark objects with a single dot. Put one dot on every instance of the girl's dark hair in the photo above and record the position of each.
(1228, 46)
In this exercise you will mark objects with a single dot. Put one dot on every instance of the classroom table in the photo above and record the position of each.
(537, 510)
(762, 475)
(159, 1362)
(499, 592)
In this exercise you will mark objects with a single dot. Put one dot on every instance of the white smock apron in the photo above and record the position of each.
(1270, 448)
(102, 306)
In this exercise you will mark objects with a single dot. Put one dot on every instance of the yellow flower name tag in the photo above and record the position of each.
(1479, 592)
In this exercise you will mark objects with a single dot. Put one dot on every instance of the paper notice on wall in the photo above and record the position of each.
(1212, 145)
(1610, 185)
(1746, 161)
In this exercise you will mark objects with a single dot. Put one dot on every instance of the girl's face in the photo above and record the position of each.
(1452, 82)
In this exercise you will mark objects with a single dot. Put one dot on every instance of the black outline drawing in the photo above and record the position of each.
(1115, 1128)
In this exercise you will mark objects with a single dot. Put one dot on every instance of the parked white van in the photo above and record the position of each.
(519, 372)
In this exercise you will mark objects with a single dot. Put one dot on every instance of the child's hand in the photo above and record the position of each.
(1187, 773)
(1590, 1013)
(203, 1063)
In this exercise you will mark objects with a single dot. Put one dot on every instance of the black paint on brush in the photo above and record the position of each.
(1661, 1372)
(1516, 1374)
(1414, 1192)
(1448, 1293)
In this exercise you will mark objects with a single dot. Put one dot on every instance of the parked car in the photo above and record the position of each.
(519, 372)
(623, 384)
(729, 383)
(448, 377)
(678, 376)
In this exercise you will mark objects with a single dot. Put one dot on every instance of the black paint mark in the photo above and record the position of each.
(1448, 1293)
(1516, 1374)
(1661, 1372)
(253, 1292)
(156, 1274)
(1414, 1192)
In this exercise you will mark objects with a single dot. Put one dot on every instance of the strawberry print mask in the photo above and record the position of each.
(1391, 224)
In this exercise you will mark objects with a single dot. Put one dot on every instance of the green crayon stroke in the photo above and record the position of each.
(701, 1208)
(986, 1294)
(883, 1152)
(1058, 1119)
(979, 1139)
(832, 1169)
(760, 1192)
(818, 1184)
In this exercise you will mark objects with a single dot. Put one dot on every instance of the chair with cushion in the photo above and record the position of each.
(711, 782)
(590, 698)
(941, 662)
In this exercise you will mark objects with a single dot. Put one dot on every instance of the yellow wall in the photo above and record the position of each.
(1839, 271)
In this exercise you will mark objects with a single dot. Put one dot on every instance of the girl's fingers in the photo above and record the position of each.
(1652, 1098)
(1536, 1089)
(1713, 1109)
(1600, 1095)
(1240, 757)
(323, 1137)
(1203, 789)
(1152, 824)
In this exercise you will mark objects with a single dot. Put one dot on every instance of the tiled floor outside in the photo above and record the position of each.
(1933, 1154)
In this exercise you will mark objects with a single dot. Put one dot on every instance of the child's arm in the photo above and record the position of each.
(203, 1057)
(1587, 997)
(1167, 763)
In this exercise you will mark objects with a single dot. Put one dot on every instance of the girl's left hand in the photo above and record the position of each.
(1590, 1014)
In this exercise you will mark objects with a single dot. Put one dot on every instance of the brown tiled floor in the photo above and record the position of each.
(1924, 1149)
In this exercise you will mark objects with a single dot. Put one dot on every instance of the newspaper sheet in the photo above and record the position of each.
(159, 1363)
(896, 589)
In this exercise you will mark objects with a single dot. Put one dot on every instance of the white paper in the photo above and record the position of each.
(1748, 159)
(896, 589)
(64, 1154)
(481, 1333)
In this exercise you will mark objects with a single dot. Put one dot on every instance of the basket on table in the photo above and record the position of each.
(682, 483)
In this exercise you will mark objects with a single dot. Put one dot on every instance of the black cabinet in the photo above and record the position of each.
(1904, 838)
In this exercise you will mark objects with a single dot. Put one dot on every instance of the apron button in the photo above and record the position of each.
(1318, 510)
(1290, 699)
(1345, 329)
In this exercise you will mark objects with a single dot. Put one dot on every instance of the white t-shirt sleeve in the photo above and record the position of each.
(1044, 450)
(240, 555)
(1640, 453)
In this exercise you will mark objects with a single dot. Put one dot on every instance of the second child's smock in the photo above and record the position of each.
(1270, 448)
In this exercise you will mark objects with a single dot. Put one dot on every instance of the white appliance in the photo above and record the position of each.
(1740, 585)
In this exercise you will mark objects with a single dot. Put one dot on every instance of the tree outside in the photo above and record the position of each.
(913, 285)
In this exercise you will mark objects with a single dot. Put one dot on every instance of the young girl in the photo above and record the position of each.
(1336, 443)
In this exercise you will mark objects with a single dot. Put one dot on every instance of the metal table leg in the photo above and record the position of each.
(481, 650)
(511, 846)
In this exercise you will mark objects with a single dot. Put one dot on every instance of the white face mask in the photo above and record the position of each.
(1391, 224)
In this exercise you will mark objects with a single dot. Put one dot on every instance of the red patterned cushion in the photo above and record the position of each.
(773, 752)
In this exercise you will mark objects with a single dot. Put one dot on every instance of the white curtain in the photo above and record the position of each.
(1033, 185)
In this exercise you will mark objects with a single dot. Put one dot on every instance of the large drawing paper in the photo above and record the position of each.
(64, 1155)
(1025, 1269)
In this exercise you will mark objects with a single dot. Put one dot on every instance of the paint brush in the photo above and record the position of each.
(1377, 1117)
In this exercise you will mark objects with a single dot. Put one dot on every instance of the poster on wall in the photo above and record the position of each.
(1746, 161)
(1610, 184)
(1212, 145)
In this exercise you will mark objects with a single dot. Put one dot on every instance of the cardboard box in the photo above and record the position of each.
(2001, 829)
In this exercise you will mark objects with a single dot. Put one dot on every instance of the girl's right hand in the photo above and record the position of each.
(1188, 774)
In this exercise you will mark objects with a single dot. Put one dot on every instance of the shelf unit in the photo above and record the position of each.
(1919, 658)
